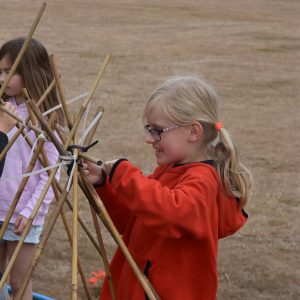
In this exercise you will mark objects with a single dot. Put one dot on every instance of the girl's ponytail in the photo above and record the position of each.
(234, 175)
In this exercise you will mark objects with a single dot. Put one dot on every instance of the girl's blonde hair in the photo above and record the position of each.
(35, 69)
(188, 99)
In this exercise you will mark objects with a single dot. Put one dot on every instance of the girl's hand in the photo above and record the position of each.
(108, 165)
(6, 121)
(20, 224)
(93, 172)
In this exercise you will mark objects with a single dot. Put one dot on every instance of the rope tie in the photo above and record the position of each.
(40, 137)
(70, 160)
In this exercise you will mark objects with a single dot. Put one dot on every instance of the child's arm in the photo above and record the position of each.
(186, 208)
(40, 181)
(114, 205)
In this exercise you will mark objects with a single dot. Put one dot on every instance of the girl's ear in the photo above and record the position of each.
(196, 132)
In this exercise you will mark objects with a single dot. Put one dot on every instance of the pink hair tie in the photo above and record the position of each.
(218, 126)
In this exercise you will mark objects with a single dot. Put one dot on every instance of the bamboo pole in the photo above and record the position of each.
(22, 51)
(75, 221)
(89, 96)
(60, 90)
(87, 141)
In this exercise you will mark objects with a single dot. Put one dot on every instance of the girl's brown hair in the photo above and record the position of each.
(36, 71)
(188, 99)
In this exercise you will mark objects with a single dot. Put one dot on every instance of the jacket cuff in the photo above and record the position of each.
(26, 212)
(115, 167)
(102, 182)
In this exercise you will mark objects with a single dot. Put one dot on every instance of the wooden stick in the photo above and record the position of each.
(22, 51)
(87, 141)
(89, 96)
(60, 91)
(75, 221)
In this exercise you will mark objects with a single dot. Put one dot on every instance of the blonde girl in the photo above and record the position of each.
(171, 220)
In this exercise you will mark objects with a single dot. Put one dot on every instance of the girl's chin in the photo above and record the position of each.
(162, 162)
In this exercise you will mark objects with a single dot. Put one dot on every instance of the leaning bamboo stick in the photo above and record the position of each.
(89, 96)
(60, 90)
(104, 256)
(75, 221)
(87, 141)
(22, 51)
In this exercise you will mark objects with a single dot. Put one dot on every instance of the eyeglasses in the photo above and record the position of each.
(155, 133)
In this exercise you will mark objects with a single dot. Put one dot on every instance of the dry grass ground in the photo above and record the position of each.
(249, 50)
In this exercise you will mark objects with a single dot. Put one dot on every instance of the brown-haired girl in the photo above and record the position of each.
(35, 74)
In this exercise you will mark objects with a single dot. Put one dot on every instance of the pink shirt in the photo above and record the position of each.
(16, 164)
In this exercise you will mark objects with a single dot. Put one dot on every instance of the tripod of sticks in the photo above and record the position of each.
(77, 180)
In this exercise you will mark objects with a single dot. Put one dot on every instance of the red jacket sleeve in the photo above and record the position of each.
(113, 204)
(189, 207)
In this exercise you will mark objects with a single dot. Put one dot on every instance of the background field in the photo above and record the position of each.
(249, 50)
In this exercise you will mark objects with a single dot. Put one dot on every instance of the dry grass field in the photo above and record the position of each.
(249, 50)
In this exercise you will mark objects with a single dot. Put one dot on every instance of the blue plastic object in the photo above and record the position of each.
(35, 296)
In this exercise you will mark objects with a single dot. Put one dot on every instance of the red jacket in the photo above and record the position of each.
(170, 222)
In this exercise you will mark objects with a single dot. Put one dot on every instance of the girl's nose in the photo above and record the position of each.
(149, 139)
